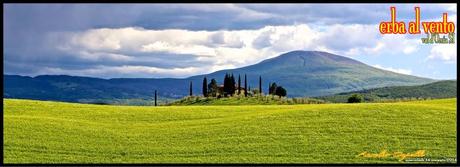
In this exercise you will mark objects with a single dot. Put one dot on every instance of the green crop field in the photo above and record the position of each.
(55, 132)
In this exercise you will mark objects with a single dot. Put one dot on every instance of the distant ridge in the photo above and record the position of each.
(435, 90)
(302, 73)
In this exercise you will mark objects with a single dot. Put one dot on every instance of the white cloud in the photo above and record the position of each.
(345, 37)
(396, 70)
(225, 48)
(95, 56)
(122, 71)
(235, 34)
(450, 7)
(161, 46)
(389, 43)
(241, 13)
(444, 52)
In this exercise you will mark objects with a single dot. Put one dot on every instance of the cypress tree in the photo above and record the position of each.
(232, 85)
(190, 91)
(273, 88)
(260, 84)
(205, 87)
(269, 84)
(226, 85)
(239, 84)
(245, 86)
(213, 88)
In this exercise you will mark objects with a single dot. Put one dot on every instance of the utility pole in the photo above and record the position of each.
(155, 97)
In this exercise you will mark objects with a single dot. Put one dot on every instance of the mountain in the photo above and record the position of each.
(436, 90)
(302, 73)
(313, 73)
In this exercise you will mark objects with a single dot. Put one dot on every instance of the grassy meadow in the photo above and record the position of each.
(56, 132)
(241, 100)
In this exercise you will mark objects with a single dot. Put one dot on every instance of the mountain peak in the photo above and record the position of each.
(311, 58)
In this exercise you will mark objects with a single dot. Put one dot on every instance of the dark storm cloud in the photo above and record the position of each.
(345, 14)
(27, 26)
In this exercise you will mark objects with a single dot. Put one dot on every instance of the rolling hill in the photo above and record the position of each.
(302, 73)
(56, 132)
(436, 90)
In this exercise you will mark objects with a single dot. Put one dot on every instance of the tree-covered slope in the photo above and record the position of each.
(436, 90)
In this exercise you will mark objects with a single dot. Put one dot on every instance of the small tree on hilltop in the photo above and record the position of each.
(239, 84)
(355, 98)
(272, 89)
(205, 87)
(280, 91)
(213, 88)
(245, 86)
(232, 85)
(226, 85)
(255, 92)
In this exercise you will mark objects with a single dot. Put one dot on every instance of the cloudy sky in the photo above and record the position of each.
(181, 40)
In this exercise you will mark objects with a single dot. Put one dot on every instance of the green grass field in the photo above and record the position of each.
(54, 132)
(241, 100)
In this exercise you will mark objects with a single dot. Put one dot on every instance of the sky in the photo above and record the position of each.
(182, 40)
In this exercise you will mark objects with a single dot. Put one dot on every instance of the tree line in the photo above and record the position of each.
(231, 88)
